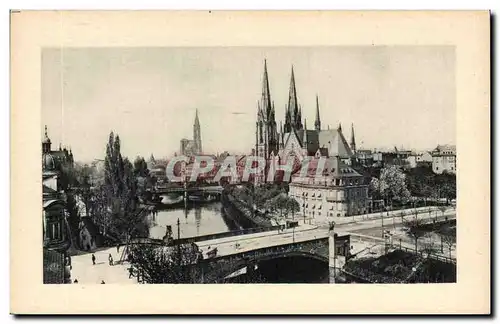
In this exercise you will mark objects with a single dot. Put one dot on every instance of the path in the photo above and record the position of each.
(86, 273)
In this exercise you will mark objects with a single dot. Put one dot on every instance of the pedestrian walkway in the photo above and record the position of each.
(426, 212)
(86, 273)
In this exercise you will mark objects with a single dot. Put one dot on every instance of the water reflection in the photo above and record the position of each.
(195, 220)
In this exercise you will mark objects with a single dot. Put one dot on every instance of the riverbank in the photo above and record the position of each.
(242, 213)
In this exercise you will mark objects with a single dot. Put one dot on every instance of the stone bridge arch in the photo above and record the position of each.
(215, 270)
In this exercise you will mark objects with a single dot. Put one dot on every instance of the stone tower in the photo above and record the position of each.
(266, 135)
(197, 135)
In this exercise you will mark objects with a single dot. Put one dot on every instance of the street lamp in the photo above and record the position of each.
(178, 239)
(382, 218)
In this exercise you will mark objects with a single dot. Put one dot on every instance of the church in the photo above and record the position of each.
(192, 147)
(294, 139)
(339, 190)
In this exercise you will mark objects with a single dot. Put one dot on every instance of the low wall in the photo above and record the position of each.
(224, 234)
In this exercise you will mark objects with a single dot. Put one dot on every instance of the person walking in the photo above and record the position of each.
(93, 258)
(110, 258)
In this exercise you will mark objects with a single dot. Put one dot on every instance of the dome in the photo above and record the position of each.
(48, 162)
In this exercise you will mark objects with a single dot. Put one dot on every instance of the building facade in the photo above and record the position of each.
(340, 191)
(56, 240)
(420, 159)
(192, 147)
(444, 159)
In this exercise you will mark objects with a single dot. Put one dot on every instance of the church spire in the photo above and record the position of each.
(353, 140)
(266, 94)
(288, 122)
(304, 139)
(317, 123)
(298, 122)
(196, 119)
(293, 108)
(197, 133)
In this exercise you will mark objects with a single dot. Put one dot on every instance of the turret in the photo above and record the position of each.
(46, 143)
(317, 122)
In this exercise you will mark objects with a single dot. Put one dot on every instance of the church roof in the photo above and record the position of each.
(333, 167)
(331, 140)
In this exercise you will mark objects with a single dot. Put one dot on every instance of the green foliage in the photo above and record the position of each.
(159, 264)
(284, 204)
(422, 182)
(119, 193)
(413, 227)
(73, 216)
(391, 185)
(140, 167)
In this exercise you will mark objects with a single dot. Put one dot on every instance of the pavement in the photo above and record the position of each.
(372, 222)
(244, 243)
(86, 273)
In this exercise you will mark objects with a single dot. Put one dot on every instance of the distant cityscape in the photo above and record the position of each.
(111, 203)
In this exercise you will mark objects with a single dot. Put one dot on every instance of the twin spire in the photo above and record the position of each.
(293, 115)
(293, 110)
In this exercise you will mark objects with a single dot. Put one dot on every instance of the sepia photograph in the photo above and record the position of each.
(266, 165)
(197, 165)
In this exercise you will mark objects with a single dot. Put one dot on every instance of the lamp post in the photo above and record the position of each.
(382, 218)
(304, 207)
(178, 239)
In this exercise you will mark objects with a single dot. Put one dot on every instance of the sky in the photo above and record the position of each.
(400, 96)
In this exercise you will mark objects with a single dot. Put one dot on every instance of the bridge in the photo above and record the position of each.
(178, 189)
(246, 251)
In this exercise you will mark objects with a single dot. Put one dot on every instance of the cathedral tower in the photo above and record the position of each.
(197, 135)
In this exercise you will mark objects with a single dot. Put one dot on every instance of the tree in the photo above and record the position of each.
(73, 218)
(428, 245)
(413, 228)
(392, 185)
(140, 167)
(120, 191)
(449, 237)
(292, 206)
(159, 264)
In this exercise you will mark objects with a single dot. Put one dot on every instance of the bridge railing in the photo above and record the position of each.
(224, 234)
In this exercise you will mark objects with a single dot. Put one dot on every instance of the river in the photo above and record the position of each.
(195, 220)
(209, 218)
